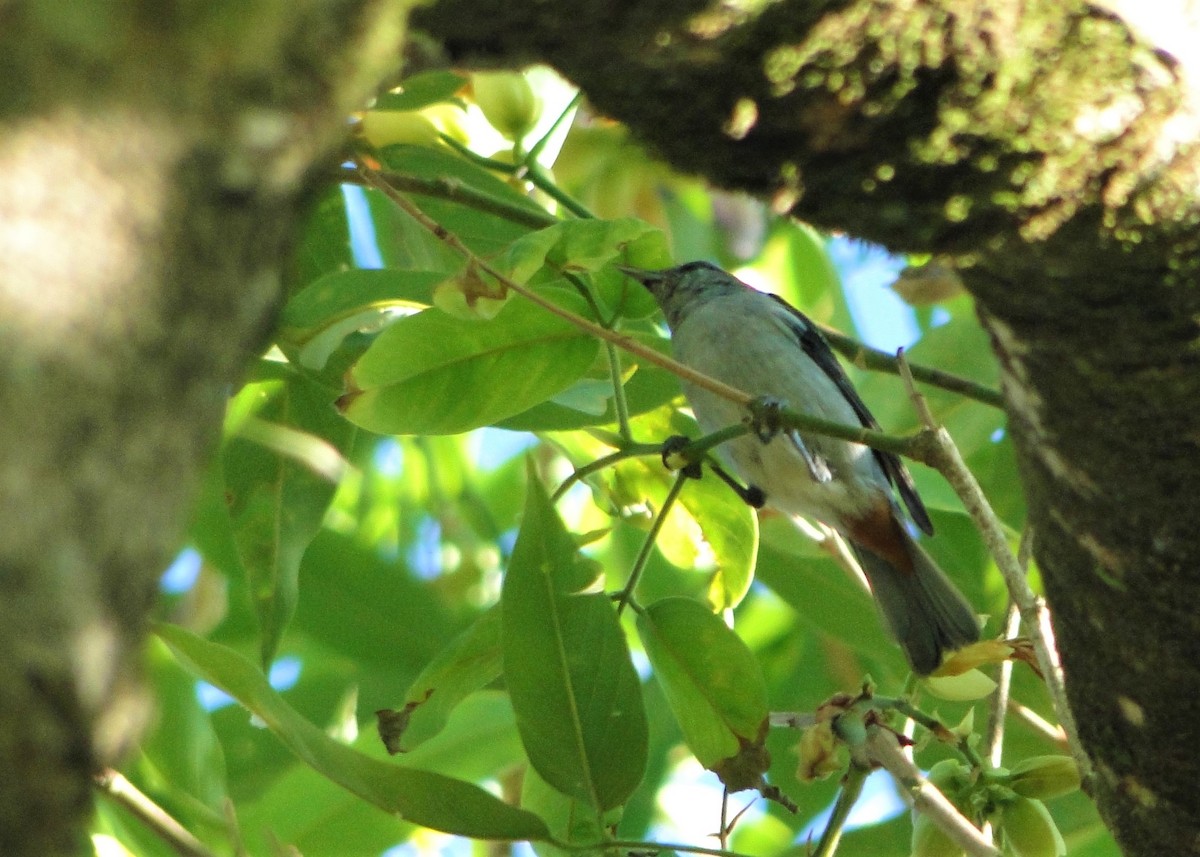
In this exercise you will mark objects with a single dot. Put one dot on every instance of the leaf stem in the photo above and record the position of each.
(852, 786)
(643, 556)
(535, 150)
(119, 789)
(620, 405)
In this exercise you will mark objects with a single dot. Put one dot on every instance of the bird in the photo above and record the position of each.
(758, 343)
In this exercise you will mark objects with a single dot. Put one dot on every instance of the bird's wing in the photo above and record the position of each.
(818, 350)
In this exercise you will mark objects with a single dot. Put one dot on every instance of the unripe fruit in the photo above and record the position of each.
(1045, 777)
(1029, 830)
(507, 100)
(929, 840)
(390, 127)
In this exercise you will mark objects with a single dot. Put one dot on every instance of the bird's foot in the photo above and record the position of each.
(751, 495)
(674, 456)
(765, 417)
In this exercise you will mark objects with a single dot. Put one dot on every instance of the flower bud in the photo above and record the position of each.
(950, 776)
(964, 687)
(1045, 777)
(818, 751)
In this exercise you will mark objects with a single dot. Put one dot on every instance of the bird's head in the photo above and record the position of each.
(680, 289)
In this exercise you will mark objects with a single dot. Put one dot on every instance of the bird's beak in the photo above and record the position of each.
(649, 279)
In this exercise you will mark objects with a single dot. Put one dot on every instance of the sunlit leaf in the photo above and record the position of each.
(483, 232)
(430, 373)
(585, 245)
(344, 295)
(421, 90)
(730, 527)
(646, 389)
(712, 680)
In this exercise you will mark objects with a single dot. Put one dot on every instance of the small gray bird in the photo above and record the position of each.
(758, 343)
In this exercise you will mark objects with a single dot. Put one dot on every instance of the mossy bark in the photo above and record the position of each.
(154, 159)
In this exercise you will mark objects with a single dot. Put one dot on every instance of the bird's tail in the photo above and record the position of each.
(921, 606)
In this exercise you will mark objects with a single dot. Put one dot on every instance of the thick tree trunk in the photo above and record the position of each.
(153, 162)
(1057, 158)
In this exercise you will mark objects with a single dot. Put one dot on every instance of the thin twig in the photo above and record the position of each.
(620, 404)
(791, 719)
(943, 456)
(1034, 615)
(635, 846)
(925, 798)
(865, 357)
(993, 736)
(621, 340)
(1039, 724)
(912, 447)
(633, 451)
(455, 191)
(723, 833)
(121, 791)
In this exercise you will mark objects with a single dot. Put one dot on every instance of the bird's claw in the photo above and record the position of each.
(674, 456)
(765, 417)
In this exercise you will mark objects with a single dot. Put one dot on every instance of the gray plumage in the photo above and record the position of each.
(759, 344)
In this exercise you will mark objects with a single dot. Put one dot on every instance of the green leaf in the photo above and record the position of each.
(368, 608)
(576, 694)
(585, 245)
(711, 679)
(430, 373)
(731, 529)
(343, 295)
(276, 501)
(646, 389)
(421, 90)
(212, 529)
(470, 662)
(485, 234)
(569, 819)
(182, 744)
(423, 798)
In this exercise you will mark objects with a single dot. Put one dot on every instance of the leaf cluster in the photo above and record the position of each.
(442, 502)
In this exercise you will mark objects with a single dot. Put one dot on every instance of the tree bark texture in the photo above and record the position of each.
(154, 159)
(1054, 154)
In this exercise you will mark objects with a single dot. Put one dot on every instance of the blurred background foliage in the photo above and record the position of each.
(391, 459)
